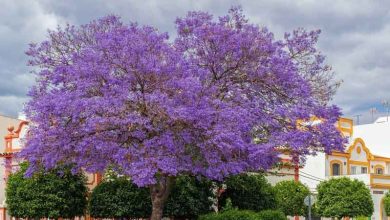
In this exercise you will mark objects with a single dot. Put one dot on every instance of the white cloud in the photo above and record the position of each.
(354, 38)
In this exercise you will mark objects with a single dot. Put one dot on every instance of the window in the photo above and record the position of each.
(353, 170)
(364, 170)
(336, 169)
(379, 171)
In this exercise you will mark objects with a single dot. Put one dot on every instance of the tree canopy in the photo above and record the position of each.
(343, 197)
(127, 96)
(290, 196)
(53, 194)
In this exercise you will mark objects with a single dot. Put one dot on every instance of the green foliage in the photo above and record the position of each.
(343, 197)
(272, 215)
(249, 192)
(189, 198)
(289, 197)
(119, 198)
(236, 214)
(228, 205)
(232, 215)
(53, 194)
(386, 202)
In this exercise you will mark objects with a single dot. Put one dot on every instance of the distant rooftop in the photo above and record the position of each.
(382, 119)
(375, 135)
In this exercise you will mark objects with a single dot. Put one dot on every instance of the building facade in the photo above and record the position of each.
(13, 130)
(366, 157)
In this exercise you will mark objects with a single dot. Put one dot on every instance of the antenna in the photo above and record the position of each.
(386, 104)
(358, 118)
(373, 111)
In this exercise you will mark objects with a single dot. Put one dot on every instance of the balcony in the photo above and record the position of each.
(380, 181)
(372, 180)
(361, 177)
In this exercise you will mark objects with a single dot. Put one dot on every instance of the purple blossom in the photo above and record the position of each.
(218, 100)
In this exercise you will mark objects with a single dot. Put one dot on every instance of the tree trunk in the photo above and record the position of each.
(159, 193)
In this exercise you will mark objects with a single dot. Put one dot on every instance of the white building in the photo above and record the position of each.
(366, 158)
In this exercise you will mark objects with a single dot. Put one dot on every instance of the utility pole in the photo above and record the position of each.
(373, 111)
(386, 104)
(357, 118)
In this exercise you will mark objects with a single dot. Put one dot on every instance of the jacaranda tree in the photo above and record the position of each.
(128, 97)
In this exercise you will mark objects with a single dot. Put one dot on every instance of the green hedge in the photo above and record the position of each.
(47, 194)
(232, 215)
(190, 197)
(245, 215)
(386, 202)
(119, 198)
(272, 215)
(249, 192)
(290, 196)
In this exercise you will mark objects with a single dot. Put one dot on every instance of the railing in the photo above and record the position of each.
(362, 177)
(373, 180)
(380, 181)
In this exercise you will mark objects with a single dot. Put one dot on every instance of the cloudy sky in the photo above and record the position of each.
(355, 37)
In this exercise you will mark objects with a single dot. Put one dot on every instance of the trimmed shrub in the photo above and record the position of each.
(289, 197)
(236, 214)
(232, 215)
(249, 192)
(344, 197)
(47, 194)
(189, 198)
(119, 198)
(272, 215)
(386, 202)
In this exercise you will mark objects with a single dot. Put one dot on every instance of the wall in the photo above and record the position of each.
(313, 171)
(281, 175)
(5, 122)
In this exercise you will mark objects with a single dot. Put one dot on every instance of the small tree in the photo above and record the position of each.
(290, 196)
(343, 197)
(386, 202)
(53, 194)
(190, 197)
(119, 198)
(250, 192)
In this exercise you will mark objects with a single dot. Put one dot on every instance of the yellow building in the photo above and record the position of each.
(366, 157)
